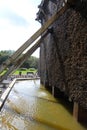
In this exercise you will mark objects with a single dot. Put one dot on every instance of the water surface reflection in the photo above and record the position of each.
(31, 107)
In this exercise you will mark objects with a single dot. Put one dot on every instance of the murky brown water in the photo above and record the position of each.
(31, 107)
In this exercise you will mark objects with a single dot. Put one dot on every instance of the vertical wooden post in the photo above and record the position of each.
(75, 110)
(53, 90)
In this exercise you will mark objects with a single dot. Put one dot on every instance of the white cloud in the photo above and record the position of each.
(12, 36)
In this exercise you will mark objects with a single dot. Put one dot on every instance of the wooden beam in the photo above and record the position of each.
(75, 110)
(6, 93)
(71, 1)
(53, 90)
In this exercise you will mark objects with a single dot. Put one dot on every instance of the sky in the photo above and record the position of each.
(17, 23)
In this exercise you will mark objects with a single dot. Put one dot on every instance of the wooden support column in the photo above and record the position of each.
(75, 110)
(53, 92)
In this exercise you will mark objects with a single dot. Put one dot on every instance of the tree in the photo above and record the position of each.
(6, 52)
(4, 55)
(31, 62)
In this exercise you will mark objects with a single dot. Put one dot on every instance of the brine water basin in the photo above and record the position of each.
(30, 106)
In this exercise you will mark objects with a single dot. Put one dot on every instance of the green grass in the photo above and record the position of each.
(22, 70)
(25, 71)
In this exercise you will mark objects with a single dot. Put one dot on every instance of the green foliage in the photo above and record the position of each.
(6, 52)
(3, 58)
(22, 69)
(4, 55)
(31, 62)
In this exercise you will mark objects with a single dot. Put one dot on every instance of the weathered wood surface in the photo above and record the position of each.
(75, 110)
(6, 93)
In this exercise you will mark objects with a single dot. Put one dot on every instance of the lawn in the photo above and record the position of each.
(23, 71)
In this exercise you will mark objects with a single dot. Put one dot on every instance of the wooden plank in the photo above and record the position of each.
(71, 1)
(6, 93)
(75, 110)
(53, 90)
